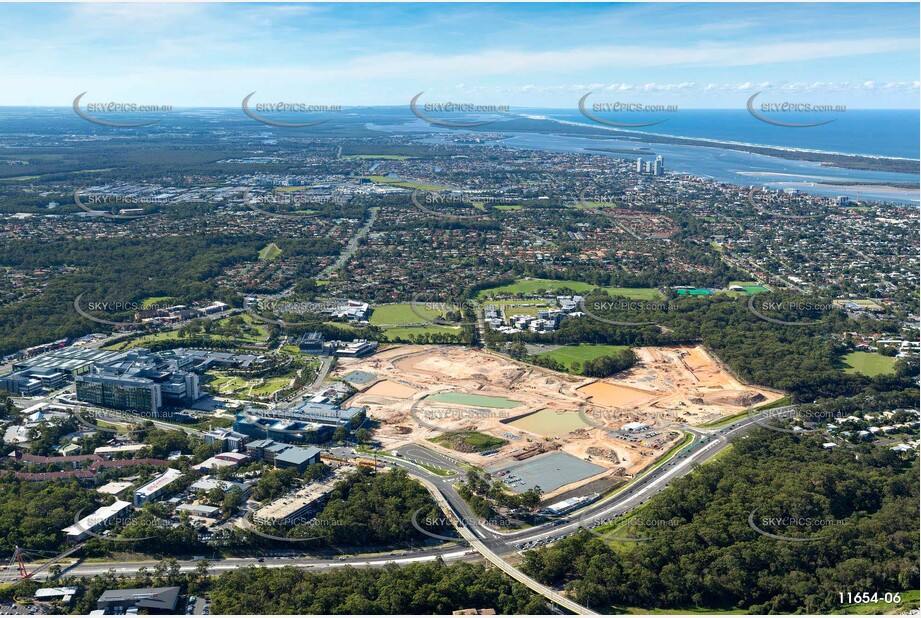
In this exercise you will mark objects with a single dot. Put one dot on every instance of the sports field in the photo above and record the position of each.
(751, 287)
(150, 301)
(530, 286)
(400, 322)
(402, 314)
(869, 364)
(569, 355)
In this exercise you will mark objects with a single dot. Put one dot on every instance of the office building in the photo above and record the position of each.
(639, 165)
(283, 455)
(361, 347)
(297, 457)
(64, 594)
(152, 600)
(326, 413)
(120, 392)
(157, 488)
(228, 439)
(140, 380)
(222, 460)
(69, 361)
(352, 310)
(208, 483)
(200, 510)
(294, 431)
(102, 517)
(30, 382)
(311, 343)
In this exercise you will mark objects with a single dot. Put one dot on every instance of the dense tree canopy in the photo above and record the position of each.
(712, 558)
(429, 588)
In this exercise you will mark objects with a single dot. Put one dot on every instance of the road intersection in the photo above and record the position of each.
(495, 545)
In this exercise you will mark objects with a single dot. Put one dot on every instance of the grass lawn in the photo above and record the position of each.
(269, 252)
(869, 364)
(398, 320)
(271, 385)
(520, 307)
(731, 293)
(147, 303)
(252, 333)
(530, 286)
(469, 441)
(629, 526)
(569, 355)
(402, 313)
(406, 184)
(235, 386)
(637, 293)
(407, 332)
(226, 385)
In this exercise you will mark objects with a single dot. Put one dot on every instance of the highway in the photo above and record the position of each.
(496, 546)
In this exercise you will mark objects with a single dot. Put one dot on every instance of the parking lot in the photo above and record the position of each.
(549, 471)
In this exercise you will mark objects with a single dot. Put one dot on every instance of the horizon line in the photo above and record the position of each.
(406, 105)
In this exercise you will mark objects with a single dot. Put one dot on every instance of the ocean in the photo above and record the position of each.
(874, 133)
(877, 133)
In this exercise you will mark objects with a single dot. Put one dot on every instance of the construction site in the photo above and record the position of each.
(532, 426)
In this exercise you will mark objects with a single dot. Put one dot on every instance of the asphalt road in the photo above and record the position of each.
(707, 443)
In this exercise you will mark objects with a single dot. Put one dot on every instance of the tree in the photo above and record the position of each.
(363, 436)
(232, 501)
(517, 350)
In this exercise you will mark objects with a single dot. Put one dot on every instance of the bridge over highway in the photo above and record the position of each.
(548, 593)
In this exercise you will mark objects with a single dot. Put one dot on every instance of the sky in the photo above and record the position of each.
(521, 55)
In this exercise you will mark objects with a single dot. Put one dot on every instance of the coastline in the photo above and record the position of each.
(723, 143)
(872, 163)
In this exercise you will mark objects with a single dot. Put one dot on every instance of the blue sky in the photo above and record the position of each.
(522, 55)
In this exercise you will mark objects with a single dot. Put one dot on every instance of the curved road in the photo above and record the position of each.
(495, 545)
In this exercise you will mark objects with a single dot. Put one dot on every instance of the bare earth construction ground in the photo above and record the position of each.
(539, 411)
